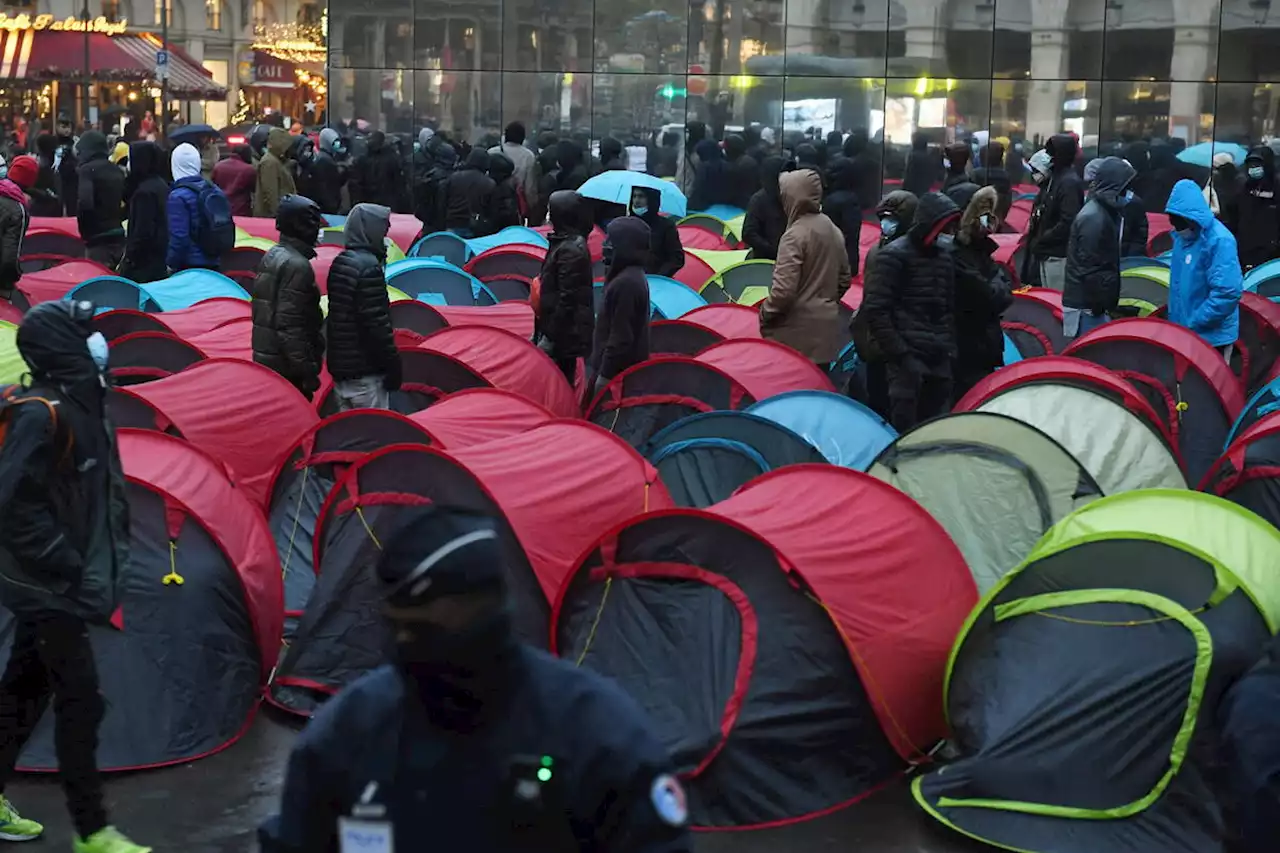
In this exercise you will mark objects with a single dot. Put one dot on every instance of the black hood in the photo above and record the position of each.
(547, 158)
(807, 156)
(53, 344)
(919, 142)
(697, 131)
(568, 212)
(478, 159)
(653, 201)
(366, 228)
(46, 144)
(931, 209)
(1062, 150)
(629, 236)
(568, 155)
(446, 157)
(770, 169)
(734, 146)
(844, 174)
(146, 160)
(501, 167)
(1263, 155)
(899, 205)
(855, 144)
(1113, 178)
(610, 149)
(377, 141)
(92, 146)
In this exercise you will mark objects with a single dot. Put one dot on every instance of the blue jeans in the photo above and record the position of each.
(1083, 321)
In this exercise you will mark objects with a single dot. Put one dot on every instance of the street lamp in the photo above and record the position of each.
(1260, 9)
(859, 14)
(88, 82)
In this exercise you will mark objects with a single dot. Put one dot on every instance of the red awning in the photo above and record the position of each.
(52, 55)
(271, 72)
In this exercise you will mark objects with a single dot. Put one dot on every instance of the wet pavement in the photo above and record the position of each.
(214, 806)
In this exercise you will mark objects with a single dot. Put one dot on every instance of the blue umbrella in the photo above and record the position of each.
(1202, 153)
(616, 187)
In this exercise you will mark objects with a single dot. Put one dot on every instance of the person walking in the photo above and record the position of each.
(100, 205)
(621, 337)
(983, 294)
(275, 180)
(909, 305)
(201, 228)
(811, 274)
(288, 325)
(147, 239)
(566, 300)
(1253, 214)
(45, 200)
(236, 177)
(766, 221)
(63, 546)
(1061, 197)
(1205, 278)
(64, 160)
(468, 736)
(362, 355)
(326, 175)
(15, 216)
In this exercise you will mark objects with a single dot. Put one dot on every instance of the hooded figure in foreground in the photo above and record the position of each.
(811, 274)
(666, 254)
(288, 326)
(63, 547)
(1205, 279)
(148, 239)
(983, 293)
(622, 327)
(566, 303)
(1092, 287)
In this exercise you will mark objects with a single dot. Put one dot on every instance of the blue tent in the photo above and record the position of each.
(1136, 261)
(1261, 273)
(1261, 404)
(845, 431)
(442, 245)
(1011, 353)
(186, 288)
(112, 291)
(670, 299)
(507, 237)
(416, 276)
(725, 212)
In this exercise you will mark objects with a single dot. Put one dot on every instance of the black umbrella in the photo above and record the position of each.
(192, 132)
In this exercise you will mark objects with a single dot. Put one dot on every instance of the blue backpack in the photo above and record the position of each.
(217, 232)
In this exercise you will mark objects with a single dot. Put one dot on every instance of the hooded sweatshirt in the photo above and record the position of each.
(1060, 199)
(504, 210)
(275, 181)
(148, 239)
(810, 276)
(360, 336)
(1254, 212)
(185, 216)
(766, 221)
(1094, 251)
(566, 305)
(983, 293)
(236, 177)
(622, 327)
(711, 181)
(100, 205)
(1204, 273)
(14, 218)
(842, 206)
(468, 196)
(744, 171)
(666, 253)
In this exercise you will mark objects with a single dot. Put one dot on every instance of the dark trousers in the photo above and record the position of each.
(569, 367)
(107, 254)
(52, 659)
(916, 396)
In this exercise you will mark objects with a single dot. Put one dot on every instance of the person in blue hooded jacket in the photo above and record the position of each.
(1204, 271)
(184, 213)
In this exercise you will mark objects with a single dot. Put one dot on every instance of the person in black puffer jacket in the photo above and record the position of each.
(468, 197)
(377, 177)
(842, 207)
(1254, 213)
(744, 171)
(666, 253)
(362, 355)
(431, 196)
(566, 303)
(621, 337)
(288, 326)
(766, 221)
(1060, 199)
(957, 185)
(992, 173)
(148, 239)
(1092, 284)
(909, 307)
(504, 208)
(100, 209)
(983, 293)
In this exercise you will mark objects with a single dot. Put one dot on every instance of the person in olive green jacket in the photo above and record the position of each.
(275, 181)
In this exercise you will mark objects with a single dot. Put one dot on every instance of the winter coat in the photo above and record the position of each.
(909, 299)
(1254, 216)
(566, 302)
(666, 253)
(1058, 202)
(361, 339)
(900, 206)
(711, 183)
(960, 189)
(100, 205)
(147, 242)
(810, 276)
(288, 327)
(1204, 274)
(378, 176)
(430, 195)
(621, 337)
(571, 169)
(765, 222)
(504, 207)
(866, 168)
(842, 206)
(185, 216)
(237, 180)
(1093, 252)
(744, 172)
(664, 161)
(523, 163)
(14, 219)
(65, 537)
(468, 195)
(65, 162)
(924, 167)
(991, 172)
(275, 181)
(983, 291)
(321, 181)
(1133, 242)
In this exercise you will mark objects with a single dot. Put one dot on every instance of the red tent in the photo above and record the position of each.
(692, 237)
(206, 316)
(507, 361)
(261, 227)
(56, 282)
(10, 313)
(513, 317)
(765, 368)
(480, 415)
(230, 340)
(514, 259)
(1019, 215)
(1158, 228)
(695, 273)
(321, 263)
(404, 231)
(852, 298)
(146, 356)
(729, 319)
(62, 224)
(241, 413)
(815, 607)
(202, 485)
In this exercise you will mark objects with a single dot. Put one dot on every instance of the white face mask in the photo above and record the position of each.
(946, 163)
(985, 221)
(98, 350)
(945, 241)
(1038, 177)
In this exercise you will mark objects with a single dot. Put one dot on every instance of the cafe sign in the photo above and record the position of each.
(69, 24)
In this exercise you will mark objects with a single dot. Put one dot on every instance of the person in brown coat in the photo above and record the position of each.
(811, 274)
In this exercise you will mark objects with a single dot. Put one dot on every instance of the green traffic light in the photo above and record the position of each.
(548, 761)
(544, 775)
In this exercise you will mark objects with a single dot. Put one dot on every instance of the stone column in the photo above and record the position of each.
(1192, 56)
(925, 35)
(1047, 87)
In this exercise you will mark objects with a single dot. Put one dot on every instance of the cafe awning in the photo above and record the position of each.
(48, 55)
(272, 72)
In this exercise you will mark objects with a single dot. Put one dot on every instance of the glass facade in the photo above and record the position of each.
(1112, 71)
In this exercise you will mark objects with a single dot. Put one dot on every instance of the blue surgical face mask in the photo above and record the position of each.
(888, 227)
(945, 241)
(98, 350)
(1257, 172)
(639, 211)
(1128, 195)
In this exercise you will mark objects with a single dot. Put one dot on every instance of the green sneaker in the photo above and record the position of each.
(14, 827)
(108, 840)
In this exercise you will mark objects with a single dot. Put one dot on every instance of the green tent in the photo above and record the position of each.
(1144, 290)
(720, 259)
(1077, 689)
(12, 367)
